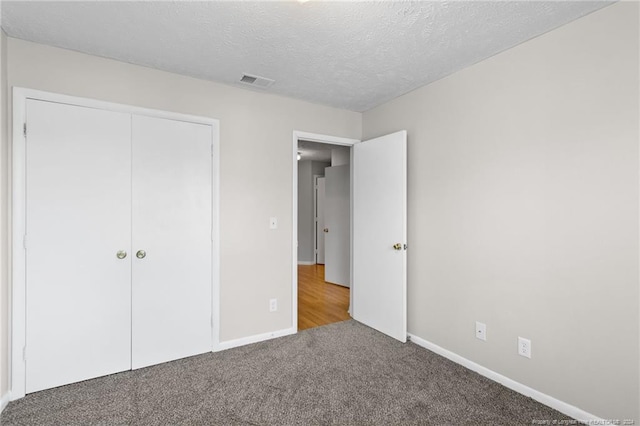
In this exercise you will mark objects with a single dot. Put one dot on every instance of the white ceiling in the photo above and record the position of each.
(350, 54)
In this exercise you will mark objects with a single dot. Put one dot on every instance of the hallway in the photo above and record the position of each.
(319, 302)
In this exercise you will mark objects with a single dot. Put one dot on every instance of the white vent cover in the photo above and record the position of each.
(256, 81)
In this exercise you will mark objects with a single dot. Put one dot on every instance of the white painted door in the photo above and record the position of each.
(320, 220)
(78, 216)
(337, 218)
(172, 224)
(380, 222)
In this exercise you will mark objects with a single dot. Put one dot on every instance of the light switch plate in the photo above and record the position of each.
(481, 331)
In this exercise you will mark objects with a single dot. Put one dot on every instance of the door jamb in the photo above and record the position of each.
(326, 139)
(17, 207)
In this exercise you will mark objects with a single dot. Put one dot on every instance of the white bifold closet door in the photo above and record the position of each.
(171, 294)
(119, 242)
(78, 198)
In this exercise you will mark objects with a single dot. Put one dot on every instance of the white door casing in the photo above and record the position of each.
(337, 212)
(297, 136)
(379, 291)
(171, 193)
(78, 217)
(320, 223)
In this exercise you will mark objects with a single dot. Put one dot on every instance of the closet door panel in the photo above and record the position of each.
(78, 216)
(171, 294)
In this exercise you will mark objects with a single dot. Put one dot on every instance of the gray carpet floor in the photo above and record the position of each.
(343, 373)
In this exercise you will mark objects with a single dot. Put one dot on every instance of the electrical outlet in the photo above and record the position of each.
(481, 331)
(273, 305)
(524, 347)
(273, 223)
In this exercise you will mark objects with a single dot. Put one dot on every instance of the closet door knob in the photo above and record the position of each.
(121, 254)
(141, 254)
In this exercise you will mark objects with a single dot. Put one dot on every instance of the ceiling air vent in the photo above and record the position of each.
(256, 81)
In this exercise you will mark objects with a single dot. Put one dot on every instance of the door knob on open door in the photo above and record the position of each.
(325, 230)
(397, 246)
(141, 254)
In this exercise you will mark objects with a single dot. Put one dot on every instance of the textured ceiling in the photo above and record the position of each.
(351, 54)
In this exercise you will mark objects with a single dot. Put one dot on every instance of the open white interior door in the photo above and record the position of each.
(379, 293)
(320, 220)
(336, 222)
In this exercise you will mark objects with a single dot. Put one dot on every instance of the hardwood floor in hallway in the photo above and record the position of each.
(319, 302)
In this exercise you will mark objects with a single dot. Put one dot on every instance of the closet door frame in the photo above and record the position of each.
(19, 240)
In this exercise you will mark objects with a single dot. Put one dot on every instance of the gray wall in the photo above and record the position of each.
(340, 156)
(306, 218)
(523, 210)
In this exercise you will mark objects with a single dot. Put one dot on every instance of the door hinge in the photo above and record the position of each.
(24, 241)
(24, 129)
(24, 353)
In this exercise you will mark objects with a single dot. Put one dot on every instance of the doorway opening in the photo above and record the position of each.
(322, 212)
(377, 245)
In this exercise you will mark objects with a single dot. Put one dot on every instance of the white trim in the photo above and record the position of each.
(215, 237)
(4, 401)
(17, 365)
(110, 106)
(256, 338)
(563, 407)
(18, 263)
(313, 137)
(316, 137)
(302, 262)
(351, 227)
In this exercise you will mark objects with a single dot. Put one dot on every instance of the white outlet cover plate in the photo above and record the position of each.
(524, 347)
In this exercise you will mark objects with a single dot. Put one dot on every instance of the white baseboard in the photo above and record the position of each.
(4, 401)
(543, 398)
(303, 262)
(255, 339)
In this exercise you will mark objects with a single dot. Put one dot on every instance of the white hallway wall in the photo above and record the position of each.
(256, 131)
(523, 210)
(340, 156)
